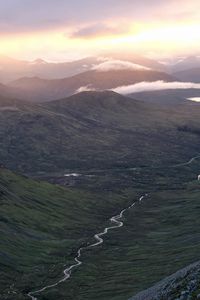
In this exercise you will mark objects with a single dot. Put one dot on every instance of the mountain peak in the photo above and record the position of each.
(39, 61)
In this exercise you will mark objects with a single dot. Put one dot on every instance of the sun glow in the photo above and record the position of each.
(174, 38)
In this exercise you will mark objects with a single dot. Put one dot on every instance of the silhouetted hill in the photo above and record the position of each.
(189, 75)
(186, 63)
(168, 97)
(96, 130)
(36, 89)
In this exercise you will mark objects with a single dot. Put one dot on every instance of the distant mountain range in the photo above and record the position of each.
(13, 69)
(40, 81)
(186, 63)
(189, 75)
(38, 90)
(187, 69)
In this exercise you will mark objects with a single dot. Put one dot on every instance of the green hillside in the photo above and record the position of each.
(42, 226)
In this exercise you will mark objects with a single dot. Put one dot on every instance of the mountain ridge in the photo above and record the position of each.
(35, 89)
(96, 130)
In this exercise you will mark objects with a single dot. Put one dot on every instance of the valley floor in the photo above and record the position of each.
(159, 236)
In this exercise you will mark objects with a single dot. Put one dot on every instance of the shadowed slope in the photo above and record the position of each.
(96, 130)
(39, 90)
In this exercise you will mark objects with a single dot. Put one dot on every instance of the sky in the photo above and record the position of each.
(65, 30)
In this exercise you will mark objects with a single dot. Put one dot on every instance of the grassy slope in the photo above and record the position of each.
(42, 226)
(159, 237)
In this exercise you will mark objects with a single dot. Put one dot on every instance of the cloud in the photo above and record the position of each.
(195, 99)
(35, 28)
(147, 86)
(97, 30)
(155, 86)
(117, 65)
(30, 15)
(86, 88)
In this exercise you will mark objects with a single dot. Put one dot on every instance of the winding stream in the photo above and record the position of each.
(116, 221)
(187, 163)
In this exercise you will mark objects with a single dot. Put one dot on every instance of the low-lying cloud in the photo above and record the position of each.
(146, 86)
(86, 88)
(117, 65)
(195, 99)
(155, 86)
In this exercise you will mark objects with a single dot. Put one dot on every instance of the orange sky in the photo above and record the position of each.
(158, 29)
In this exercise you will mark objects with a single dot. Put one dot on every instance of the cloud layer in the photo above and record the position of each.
(87, 88)
(54, 28)
(30, 15)
(147, 86)
(155, 86)
(117, 65)
(97, 30)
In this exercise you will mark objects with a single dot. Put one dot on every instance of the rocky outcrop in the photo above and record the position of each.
(182, 285)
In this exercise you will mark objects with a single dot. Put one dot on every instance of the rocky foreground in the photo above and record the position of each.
(182, 285)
